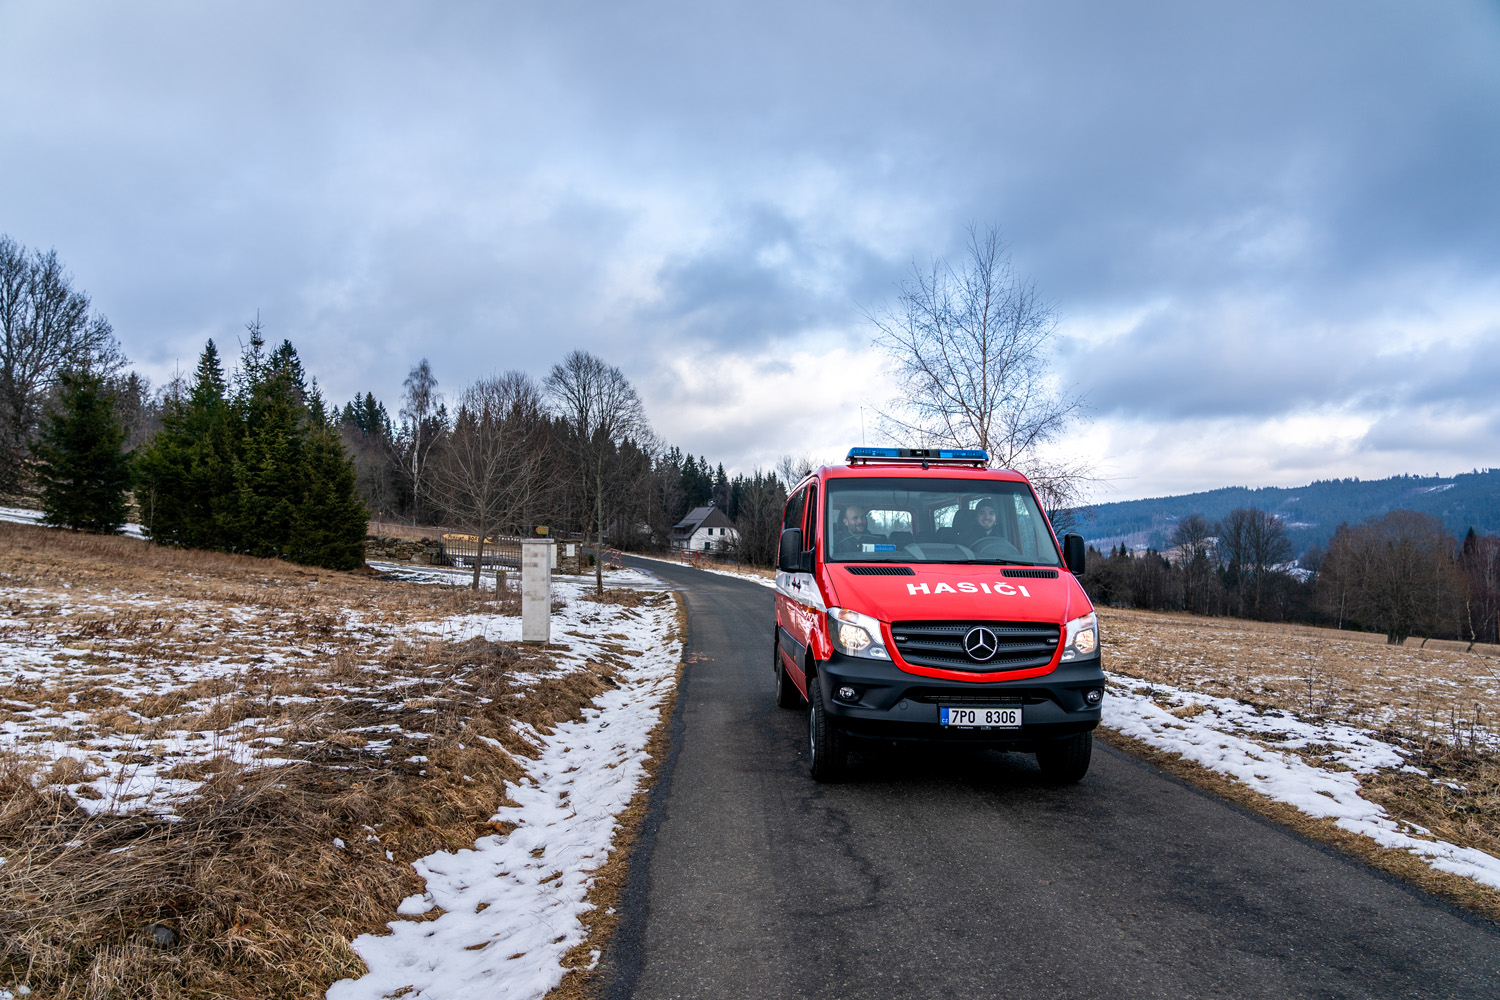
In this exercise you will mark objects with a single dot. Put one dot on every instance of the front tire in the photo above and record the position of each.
(1065, 762)
(828, 750)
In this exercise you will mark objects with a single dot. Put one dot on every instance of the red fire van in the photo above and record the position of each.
(921, 595)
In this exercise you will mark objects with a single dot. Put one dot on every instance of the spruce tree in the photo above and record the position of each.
(271, 467)
(262, 471)
(186, 475)
(83, 470)
(329, 523)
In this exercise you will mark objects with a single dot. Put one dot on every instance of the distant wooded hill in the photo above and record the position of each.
(1311, 513)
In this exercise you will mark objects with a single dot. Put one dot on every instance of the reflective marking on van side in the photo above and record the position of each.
(801, 588)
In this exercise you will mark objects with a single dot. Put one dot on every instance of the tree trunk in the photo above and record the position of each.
(478, 561)
(599, 526)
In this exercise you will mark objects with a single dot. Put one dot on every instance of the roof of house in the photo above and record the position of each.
(701, 517)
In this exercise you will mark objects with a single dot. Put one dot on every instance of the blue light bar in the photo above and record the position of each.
(965, 455)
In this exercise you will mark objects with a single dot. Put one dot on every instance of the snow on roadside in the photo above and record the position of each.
(511, 904)
(752, 577)
(1221, 734)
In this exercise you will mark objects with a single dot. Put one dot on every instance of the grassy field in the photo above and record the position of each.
(215, 770)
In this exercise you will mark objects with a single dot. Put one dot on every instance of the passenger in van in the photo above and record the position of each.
(850, 532)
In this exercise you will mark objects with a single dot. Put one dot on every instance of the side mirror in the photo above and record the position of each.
(789, 559)
(1073, 553)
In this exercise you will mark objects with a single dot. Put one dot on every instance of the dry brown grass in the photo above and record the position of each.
(1436, 704)
(1437, 692)
(244, 893)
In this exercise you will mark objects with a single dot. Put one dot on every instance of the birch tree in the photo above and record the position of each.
(420, 410)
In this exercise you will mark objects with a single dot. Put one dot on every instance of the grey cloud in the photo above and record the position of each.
(768, 279)
(468, 181)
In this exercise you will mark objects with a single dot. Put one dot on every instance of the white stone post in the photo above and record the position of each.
(536, 590)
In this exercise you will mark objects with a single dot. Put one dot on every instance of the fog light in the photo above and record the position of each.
(847, 693)
(1093, 696)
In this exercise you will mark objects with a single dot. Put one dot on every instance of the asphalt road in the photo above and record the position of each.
(958, 874)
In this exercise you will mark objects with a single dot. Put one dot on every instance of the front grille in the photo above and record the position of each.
(1036, 574)
(881, 570)
(1023, 645)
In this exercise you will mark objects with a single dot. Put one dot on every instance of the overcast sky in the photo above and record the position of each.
(1271, 231)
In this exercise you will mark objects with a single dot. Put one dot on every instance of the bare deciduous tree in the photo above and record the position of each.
(970, 348)
(1479, 561)
(1252, 543)
(485, 476)
(1396, 573)
(602, 411)
(1193, 540)
(794, 468)
(46, 327)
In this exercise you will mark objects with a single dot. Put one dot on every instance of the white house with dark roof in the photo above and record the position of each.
(705, 529)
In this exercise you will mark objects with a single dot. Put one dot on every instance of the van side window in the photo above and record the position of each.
(794, 506)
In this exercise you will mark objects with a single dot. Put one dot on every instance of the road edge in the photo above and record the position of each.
(616, 911)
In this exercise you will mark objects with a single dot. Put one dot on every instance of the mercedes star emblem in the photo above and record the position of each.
(981, 644)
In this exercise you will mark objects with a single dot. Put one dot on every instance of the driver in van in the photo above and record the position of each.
(985, 515)
(853, 532)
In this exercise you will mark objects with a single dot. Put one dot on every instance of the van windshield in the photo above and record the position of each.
(935, 521)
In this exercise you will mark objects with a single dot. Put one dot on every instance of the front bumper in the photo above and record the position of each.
(892, 704)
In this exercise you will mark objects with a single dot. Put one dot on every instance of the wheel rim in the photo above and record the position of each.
(812, 731)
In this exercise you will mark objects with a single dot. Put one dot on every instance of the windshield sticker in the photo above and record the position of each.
(869, 547)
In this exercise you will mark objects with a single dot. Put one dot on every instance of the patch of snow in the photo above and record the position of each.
(415, 906)
(24, 515)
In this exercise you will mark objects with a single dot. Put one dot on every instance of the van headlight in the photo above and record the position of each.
(855, 634)
(1082, 638)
